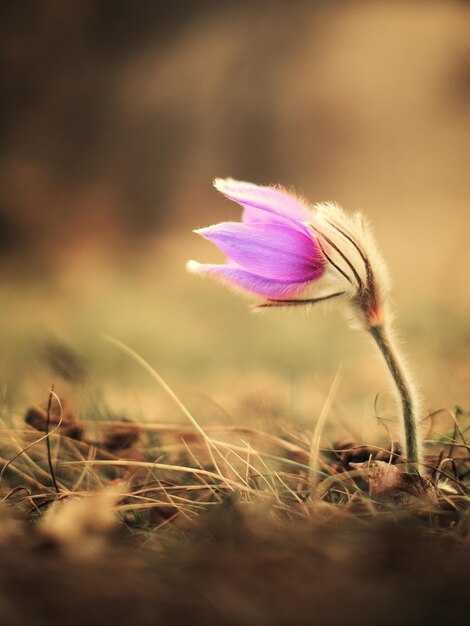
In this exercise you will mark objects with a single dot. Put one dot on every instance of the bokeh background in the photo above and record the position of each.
(115, 118)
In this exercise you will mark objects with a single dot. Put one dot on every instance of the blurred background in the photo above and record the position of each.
(115, 118)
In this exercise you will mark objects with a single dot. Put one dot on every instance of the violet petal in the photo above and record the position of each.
(270, 250)
(238, 277)
(264, 203)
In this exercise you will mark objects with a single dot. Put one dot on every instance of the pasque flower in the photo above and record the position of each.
(291, 254)
(273, 252)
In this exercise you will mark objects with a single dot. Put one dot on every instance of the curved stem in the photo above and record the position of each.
(406, 393)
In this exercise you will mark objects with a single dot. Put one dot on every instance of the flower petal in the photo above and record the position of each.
(242, 279)
(270, 250)
(264, 203)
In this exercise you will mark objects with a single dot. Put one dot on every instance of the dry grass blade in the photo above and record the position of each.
(172, 468)
(48, 440)
(319, 426)
(168, 390)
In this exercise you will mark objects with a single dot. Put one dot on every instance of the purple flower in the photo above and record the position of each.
(272, 252)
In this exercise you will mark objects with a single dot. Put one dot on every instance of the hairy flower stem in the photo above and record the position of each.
(405, 391)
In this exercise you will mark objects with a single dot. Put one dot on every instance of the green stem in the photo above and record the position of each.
(405, 391)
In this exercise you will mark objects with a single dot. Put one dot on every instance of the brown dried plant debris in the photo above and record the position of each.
(119, 436)
(61, 415)
(393, 482)
(82, 526)
(346, 452)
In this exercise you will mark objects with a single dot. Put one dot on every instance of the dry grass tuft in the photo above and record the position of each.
(170, 474)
